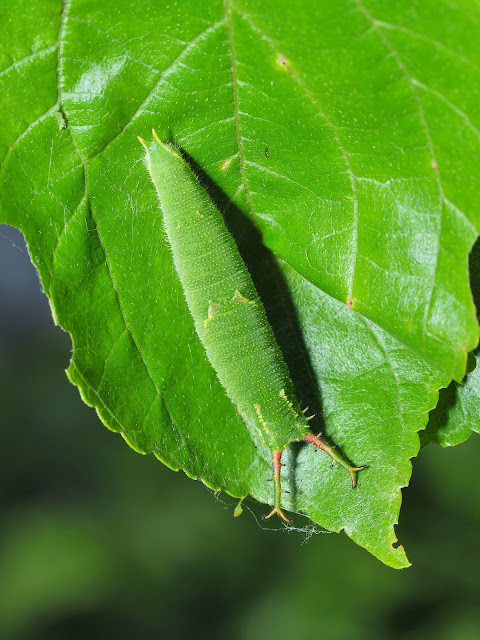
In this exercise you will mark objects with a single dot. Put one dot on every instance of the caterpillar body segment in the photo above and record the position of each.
(229, 316)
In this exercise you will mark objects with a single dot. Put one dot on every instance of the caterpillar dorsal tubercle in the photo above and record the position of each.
(228, 314)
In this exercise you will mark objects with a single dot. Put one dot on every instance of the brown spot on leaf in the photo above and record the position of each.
(283, 62)
(350, 303)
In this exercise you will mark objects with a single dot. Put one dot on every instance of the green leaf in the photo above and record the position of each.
(330, 127)
(457, 413)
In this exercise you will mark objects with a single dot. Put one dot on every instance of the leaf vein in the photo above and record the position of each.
(163, 76)
(29, 58)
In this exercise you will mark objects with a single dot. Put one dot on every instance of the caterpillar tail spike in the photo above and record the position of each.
(320, 444)
(277, 466)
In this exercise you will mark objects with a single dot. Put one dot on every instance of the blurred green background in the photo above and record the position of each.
(98, 541)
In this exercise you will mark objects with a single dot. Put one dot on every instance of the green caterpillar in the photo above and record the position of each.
(229, 316)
